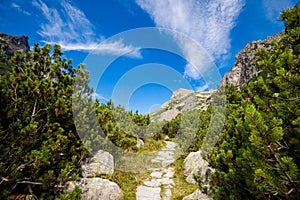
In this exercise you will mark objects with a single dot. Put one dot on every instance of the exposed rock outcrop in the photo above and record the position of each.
(9, 44)
(92, 187)
(96, 189)
(195, 165)
(101, 163)
(197, 195)
(244, 67)
(182, 100)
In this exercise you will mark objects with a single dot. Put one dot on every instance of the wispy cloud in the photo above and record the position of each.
(128, 5)
(273, 9)
(202, 88)
(207, 22)
(118, 48)
(99, 96)
(20, 9)
(70, 27)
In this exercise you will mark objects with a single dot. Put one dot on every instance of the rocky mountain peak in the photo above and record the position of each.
(181, 92)
(177, 94)
(9, 44)
(244, 67)
(182, 100)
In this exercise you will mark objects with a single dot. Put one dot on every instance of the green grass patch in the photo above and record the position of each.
(181, 188)
(128, 182)
(152, 145)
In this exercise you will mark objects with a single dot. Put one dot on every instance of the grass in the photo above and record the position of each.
(181, 188)
(128, 182)
(152, 145)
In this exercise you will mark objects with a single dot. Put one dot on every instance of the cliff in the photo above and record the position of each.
(9, 44)
(244, 67)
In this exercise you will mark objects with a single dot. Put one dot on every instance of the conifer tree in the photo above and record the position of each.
(258, 152)
(39, 144)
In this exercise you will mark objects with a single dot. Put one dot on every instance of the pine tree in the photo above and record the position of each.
(39, 144)
(258, 152)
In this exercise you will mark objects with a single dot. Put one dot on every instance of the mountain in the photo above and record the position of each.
(9, 44)
(182, 100)
(244, 67)
(242, 72)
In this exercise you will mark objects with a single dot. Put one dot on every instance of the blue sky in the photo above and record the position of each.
(221, 27)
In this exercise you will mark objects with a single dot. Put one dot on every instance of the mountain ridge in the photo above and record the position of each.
(243, 69)
(10, 44)
(181, 101)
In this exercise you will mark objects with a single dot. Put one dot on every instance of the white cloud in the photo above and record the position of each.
(20, 9)
(118, 48)
(105, 48)
(99, 96)
(273, 9)
(207, 22)
(202, 88)
(70, 28)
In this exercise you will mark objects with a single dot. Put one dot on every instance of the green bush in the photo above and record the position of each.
(257, 155)
(39, 144)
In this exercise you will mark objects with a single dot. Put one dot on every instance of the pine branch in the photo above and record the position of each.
(286, 174)
(289, 99)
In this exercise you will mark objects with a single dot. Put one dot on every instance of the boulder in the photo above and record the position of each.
(148, 193)
(197, 195)
(194, 164)
(96, 189)
(101, 163)
(140, 143)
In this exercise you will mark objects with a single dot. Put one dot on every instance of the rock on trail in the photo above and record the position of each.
(158, 187)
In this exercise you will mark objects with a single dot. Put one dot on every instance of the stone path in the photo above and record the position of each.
(158, 187)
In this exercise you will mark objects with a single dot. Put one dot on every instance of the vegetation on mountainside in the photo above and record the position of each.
(40, 148)
(39, 145)
(257, 155)
(181, 188)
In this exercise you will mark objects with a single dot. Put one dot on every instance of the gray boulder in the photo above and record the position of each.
(197, 195)
(140, 143)
(96, 189)
(194, 164)
(148, 193)
(101, 163)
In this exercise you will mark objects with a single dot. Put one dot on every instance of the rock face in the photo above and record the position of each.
(194, 164)
(182, 100)
(244, 66)
(101, 163)
(9, 44)
(96, 189)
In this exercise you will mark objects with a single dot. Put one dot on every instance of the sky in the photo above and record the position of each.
(139, 51)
